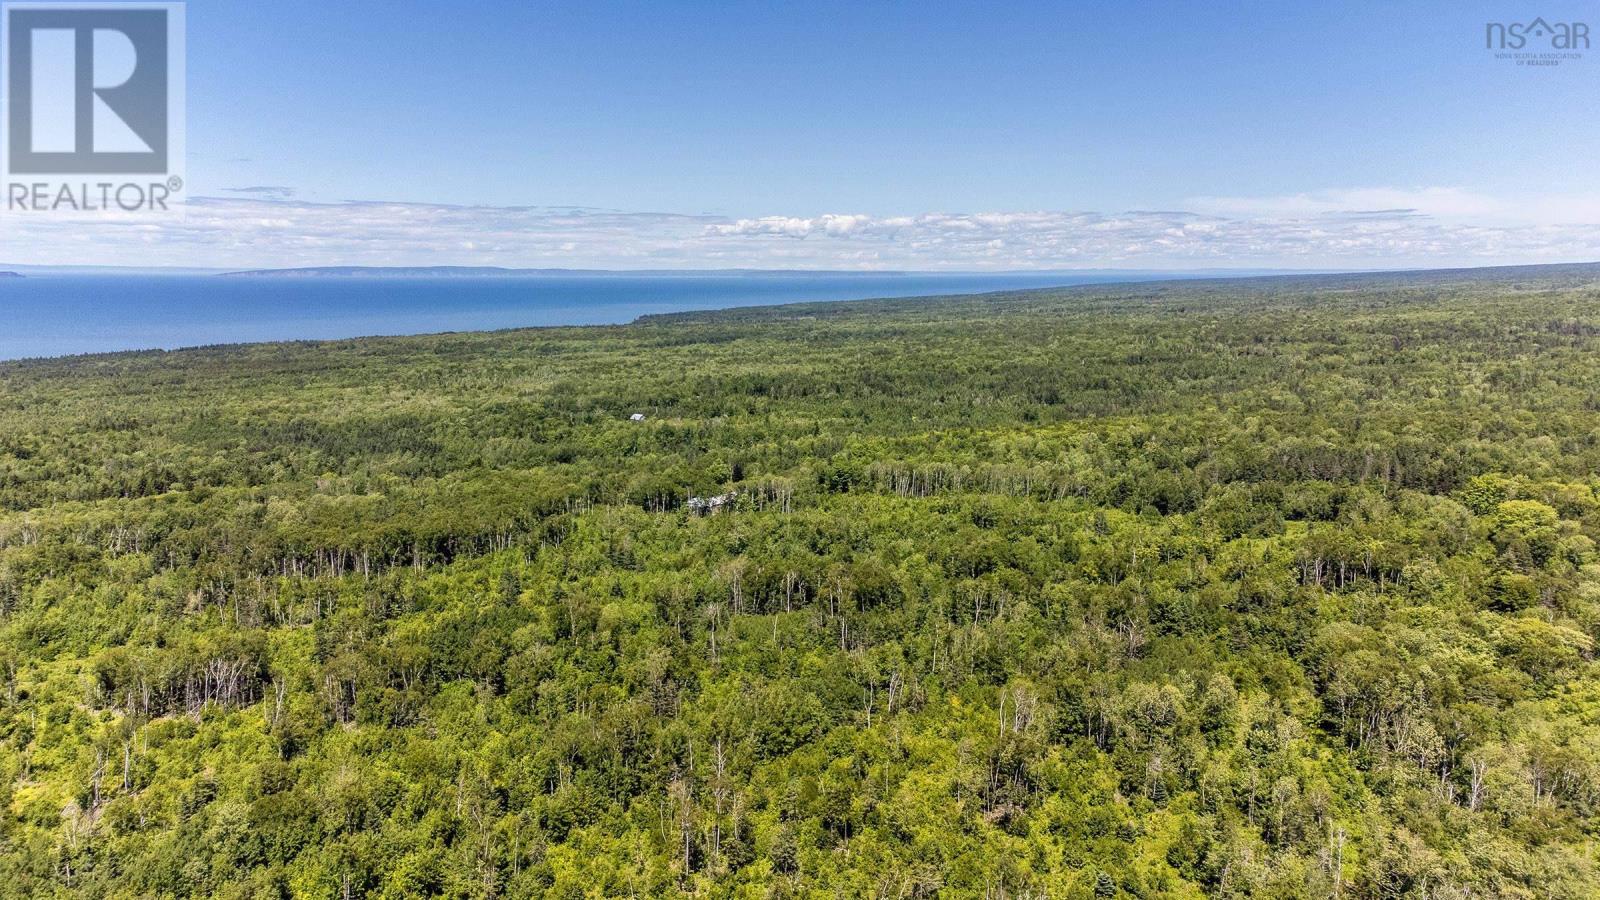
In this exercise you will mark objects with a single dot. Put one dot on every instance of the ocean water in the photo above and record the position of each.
(58, 315)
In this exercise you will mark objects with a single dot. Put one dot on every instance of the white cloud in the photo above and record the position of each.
(1358, 228)
(1532, 208)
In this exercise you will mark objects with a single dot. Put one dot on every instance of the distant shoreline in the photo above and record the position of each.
(61, 315)
(501, 272)
(56, 317)
(456, 271)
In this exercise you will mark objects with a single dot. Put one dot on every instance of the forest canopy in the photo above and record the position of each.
(1280, 587)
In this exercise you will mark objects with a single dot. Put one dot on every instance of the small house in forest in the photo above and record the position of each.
(708, 505)
(636, 417)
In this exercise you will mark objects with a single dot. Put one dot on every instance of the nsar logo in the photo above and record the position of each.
(1517, 35)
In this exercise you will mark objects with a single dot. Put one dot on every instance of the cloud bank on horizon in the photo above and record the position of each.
(1361, 228)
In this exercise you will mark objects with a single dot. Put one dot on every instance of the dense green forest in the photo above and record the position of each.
(1266, 588)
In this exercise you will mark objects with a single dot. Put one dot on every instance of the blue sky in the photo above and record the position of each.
(869, 134)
